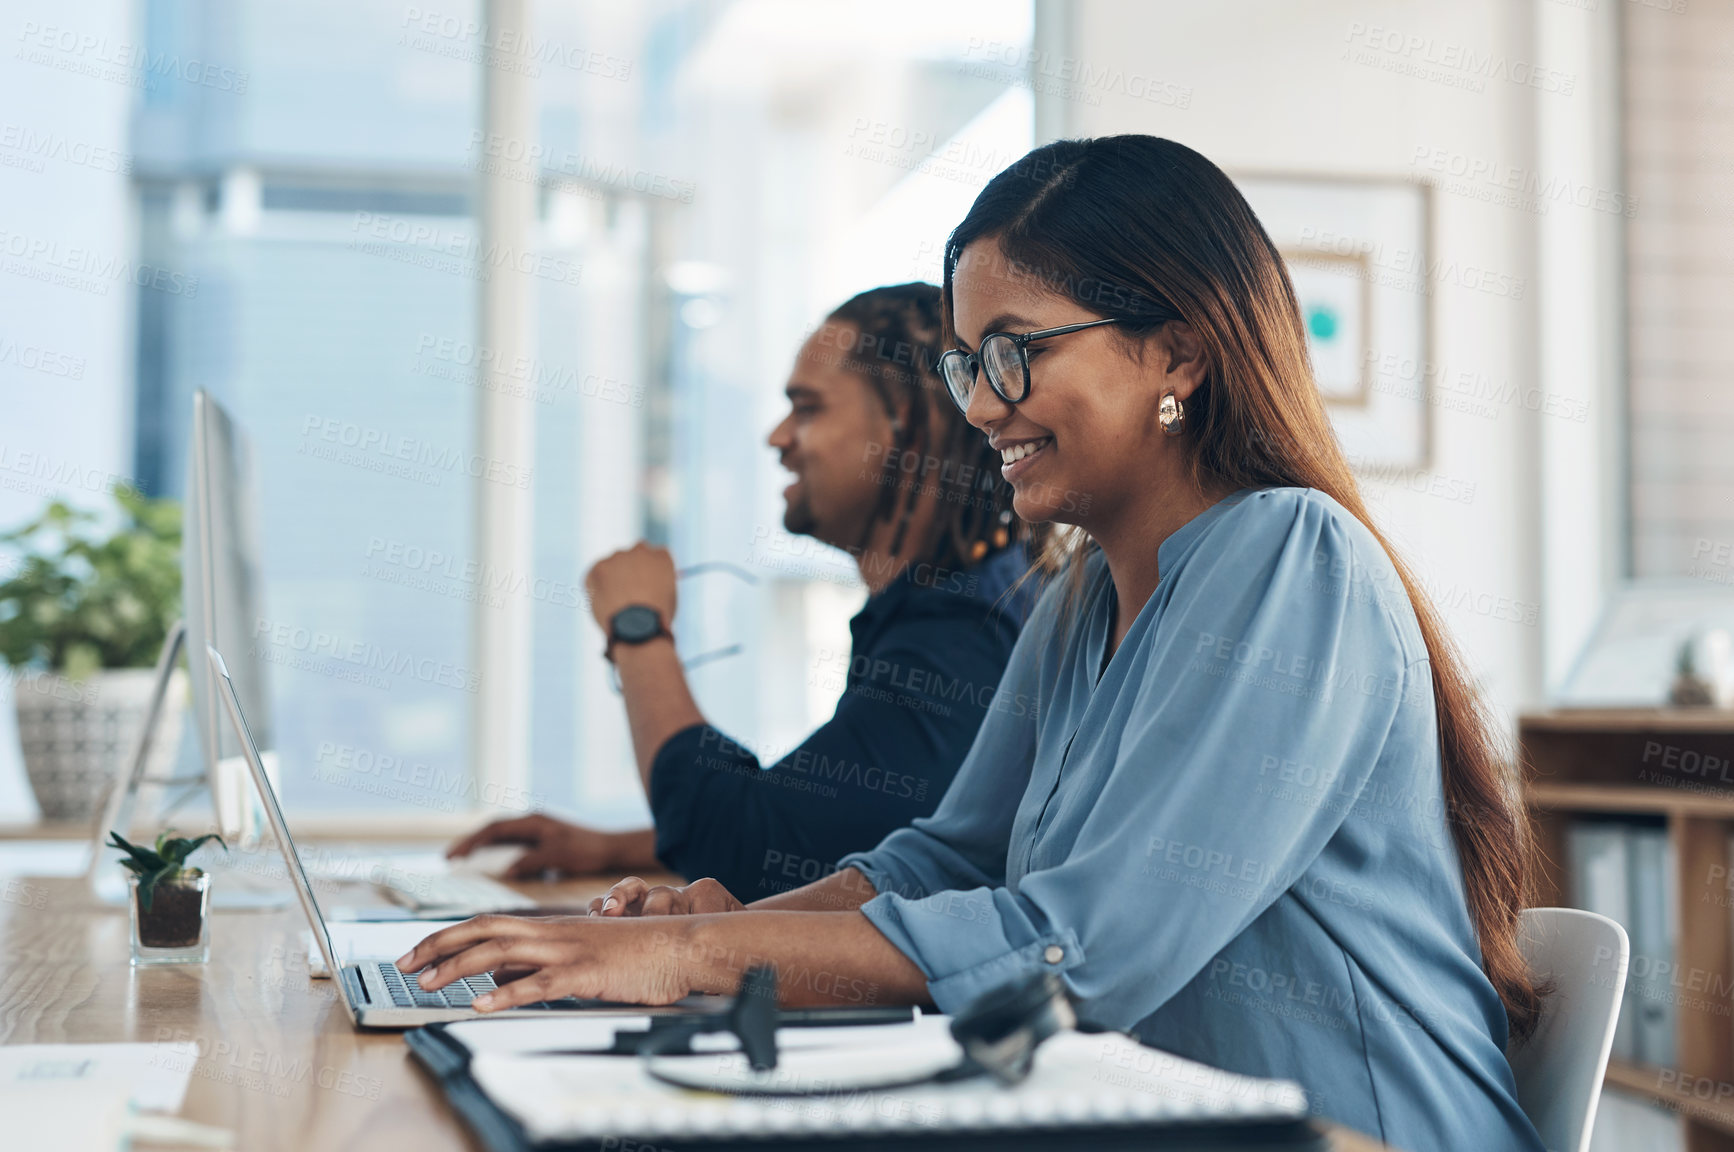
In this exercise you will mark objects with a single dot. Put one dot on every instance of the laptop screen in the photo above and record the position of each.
(273, 813)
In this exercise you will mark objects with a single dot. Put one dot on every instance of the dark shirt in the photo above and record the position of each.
(923, 671)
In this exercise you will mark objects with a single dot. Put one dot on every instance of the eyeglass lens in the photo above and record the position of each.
(1003, 362)
(1006, 367)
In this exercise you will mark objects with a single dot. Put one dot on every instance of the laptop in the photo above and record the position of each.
(374, 992)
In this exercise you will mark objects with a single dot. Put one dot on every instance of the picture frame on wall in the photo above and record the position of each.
(1356, 249)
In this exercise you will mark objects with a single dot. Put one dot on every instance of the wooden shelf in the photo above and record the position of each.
(1646, 1082)
(1672, 763)
(1651, 801)
(1630, 720)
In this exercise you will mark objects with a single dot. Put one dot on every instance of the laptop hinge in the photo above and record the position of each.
(351, 977)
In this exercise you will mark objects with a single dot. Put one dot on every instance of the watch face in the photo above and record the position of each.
(636, 623)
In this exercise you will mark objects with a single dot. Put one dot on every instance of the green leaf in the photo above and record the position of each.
(146, 858)
(178, 849)
(147, 886)
(81, 597)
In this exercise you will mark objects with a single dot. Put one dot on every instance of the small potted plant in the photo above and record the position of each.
(83, 614)
(1690, 689)
(170, 899)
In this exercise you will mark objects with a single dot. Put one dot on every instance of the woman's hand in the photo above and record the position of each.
(821, 957)
(633, 897)
(632, 961)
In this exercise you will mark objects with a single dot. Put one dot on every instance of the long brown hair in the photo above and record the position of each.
(894, 347)
(1149, 231)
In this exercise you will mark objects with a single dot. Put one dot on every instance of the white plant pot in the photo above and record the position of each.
(77, 736)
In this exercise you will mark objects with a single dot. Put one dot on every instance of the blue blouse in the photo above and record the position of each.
(1230, 840)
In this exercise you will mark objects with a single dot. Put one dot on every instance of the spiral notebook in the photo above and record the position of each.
(1103, 1087)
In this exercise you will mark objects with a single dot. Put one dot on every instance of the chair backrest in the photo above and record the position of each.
(1559, 1069)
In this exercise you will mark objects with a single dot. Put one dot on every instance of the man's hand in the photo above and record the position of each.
(557, 846)
(632, 961)
(633, 897)
(639, 575)
(658, 701)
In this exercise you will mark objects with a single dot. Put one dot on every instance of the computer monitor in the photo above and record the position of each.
(221, 582)
(220, 592)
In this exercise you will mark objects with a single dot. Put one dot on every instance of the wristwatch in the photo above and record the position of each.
(634, 624)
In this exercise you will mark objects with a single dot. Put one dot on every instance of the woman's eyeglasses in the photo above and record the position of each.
(1005, 358)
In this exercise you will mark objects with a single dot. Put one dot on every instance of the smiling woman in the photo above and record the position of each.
(1255, 816)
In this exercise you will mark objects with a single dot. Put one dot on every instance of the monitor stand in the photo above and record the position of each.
(104, 876)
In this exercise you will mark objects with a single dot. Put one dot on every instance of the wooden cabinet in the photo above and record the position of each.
(1678, 764)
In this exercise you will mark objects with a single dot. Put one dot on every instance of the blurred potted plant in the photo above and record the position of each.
(170, 899)
(83, 615)
(1704, 671)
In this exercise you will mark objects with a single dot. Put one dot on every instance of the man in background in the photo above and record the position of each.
(886, 468)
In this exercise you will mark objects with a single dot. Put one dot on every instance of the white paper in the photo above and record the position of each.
(1077, 1080)
(371, 940)
(154, 1075)
(515, 1034)
(65, 1116)
(508, 1035)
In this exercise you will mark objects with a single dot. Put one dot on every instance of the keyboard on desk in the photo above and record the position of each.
(459, 993)
(452, 892)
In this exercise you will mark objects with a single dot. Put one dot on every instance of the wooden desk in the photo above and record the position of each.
(280, 1064)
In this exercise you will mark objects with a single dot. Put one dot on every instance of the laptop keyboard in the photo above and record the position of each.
(458, 994)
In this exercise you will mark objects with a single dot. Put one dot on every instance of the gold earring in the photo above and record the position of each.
(1171, 414)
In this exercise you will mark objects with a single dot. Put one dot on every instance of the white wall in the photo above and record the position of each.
(1390, 90)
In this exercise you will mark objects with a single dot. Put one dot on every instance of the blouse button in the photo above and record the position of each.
(1054, 954)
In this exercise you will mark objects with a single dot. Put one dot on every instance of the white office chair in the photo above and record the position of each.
(1559, 1069)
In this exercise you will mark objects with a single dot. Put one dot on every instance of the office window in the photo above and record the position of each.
(1679, 141)
(785, 173)
(1677, 112)
(709, 179)
(323, 225)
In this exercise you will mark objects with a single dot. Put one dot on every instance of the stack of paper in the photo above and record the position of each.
(78, 1097)
(1078, 1080)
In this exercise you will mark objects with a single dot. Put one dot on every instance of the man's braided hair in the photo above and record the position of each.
(895, 348)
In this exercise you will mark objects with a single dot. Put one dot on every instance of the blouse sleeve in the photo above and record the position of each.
(1274, 648)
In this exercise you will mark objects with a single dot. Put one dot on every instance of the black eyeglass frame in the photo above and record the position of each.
(972, 362)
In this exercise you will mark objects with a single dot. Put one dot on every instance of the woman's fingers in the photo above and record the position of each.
(532, 989)
(507, 954)
(634, 897)
(450, 941)
(545, 959)
(626, 898)
(665, 901)
(708, 895)
(483, 957)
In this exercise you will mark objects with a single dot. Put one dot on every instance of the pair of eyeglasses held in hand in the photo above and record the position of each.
(703, 568)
